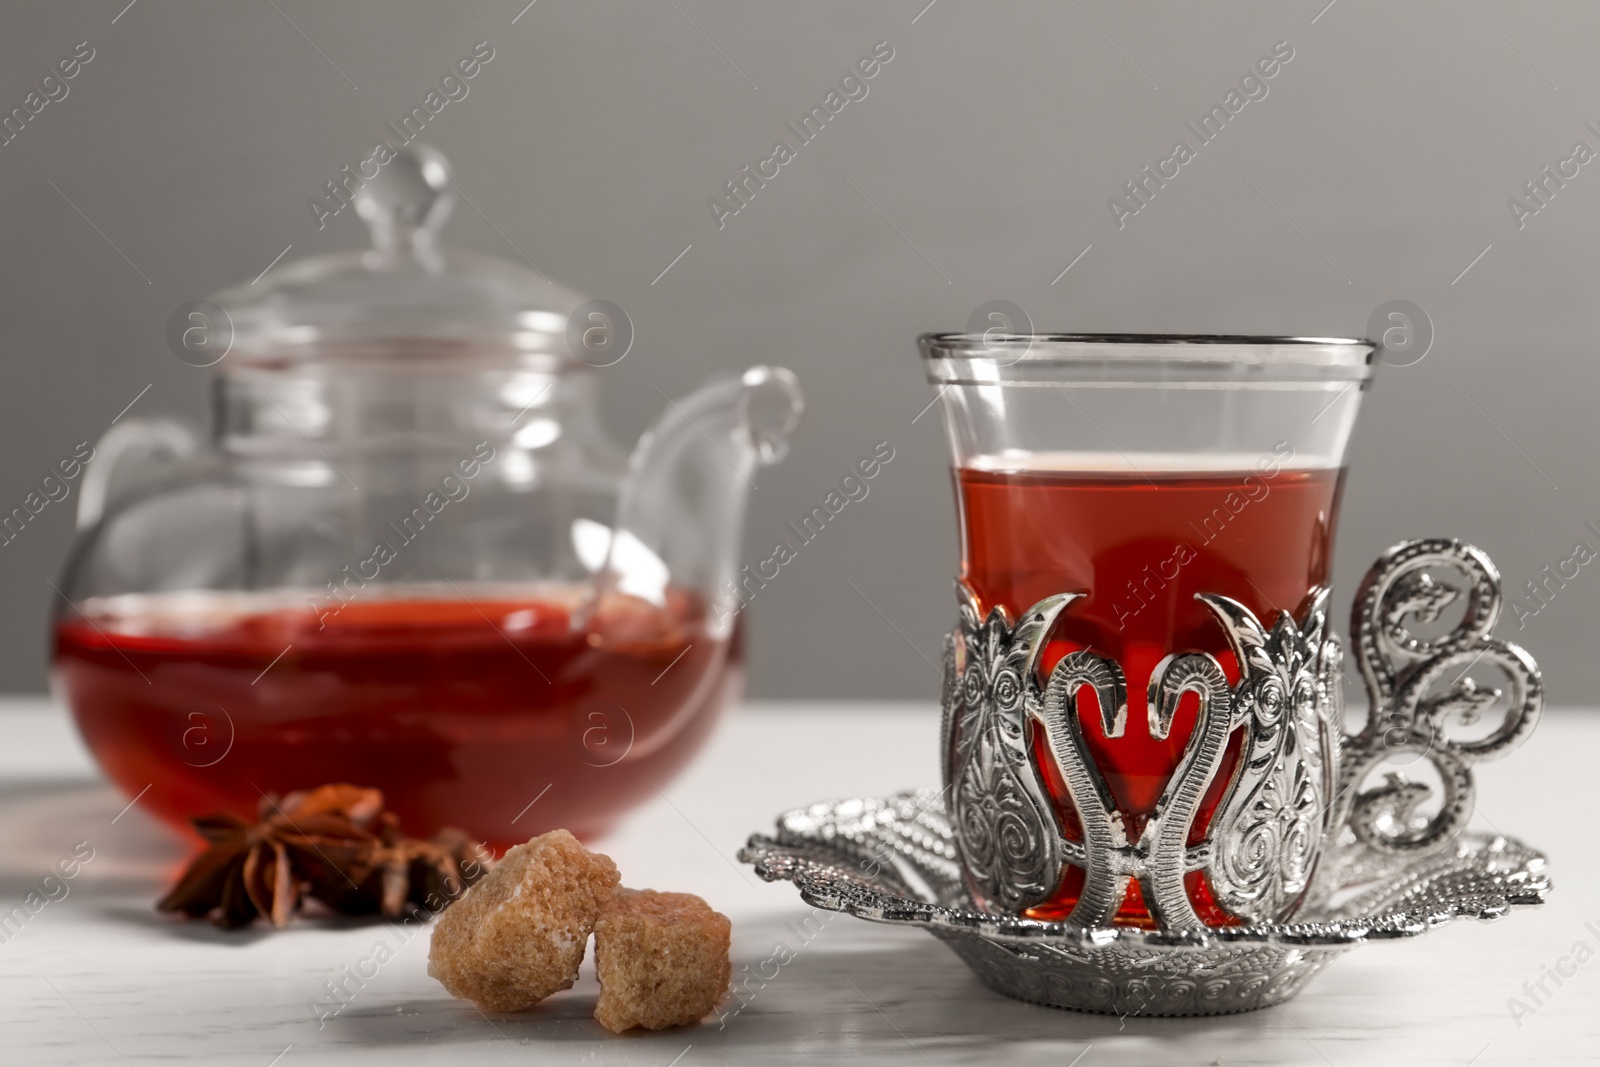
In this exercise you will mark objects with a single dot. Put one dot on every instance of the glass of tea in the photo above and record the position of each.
(1138, 471)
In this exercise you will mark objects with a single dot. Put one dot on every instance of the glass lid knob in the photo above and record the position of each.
(408, 291)
(407, 204)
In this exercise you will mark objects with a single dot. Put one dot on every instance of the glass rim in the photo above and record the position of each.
(1143, 358)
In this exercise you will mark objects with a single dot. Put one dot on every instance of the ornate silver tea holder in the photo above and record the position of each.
(1307, 856)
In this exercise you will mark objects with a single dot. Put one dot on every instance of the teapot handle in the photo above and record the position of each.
(137, 442)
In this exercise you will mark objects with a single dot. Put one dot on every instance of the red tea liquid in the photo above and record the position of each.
(498, 716)
(1141, 546)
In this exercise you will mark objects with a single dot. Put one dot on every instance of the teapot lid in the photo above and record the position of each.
(406, 298)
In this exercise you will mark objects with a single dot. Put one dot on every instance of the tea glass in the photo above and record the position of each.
(1142, 699)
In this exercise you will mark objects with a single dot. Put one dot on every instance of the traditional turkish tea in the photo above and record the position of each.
(1141, 541)
(211, 700)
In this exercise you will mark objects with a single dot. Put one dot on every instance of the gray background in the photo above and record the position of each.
(1382, 160)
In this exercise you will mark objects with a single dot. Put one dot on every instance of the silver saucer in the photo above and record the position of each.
(894, 860)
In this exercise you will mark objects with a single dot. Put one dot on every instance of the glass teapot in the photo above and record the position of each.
(408, 557)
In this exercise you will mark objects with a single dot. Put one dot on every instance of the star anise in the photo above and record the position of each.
(334, 844)
(405, 873)
(300, 846)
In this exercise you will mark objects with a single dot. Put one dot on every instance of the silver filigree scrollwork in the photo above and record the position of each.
(1263, 842)
(1297, 787)
(1158, 858)
(1011, 848)
(893, 860)
(1293, 834)
(1415, 685)
(1269, 829)
(1106, 861)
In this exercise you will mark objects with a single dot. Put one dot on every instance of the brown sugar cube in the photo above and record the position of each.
(662, 960)
(519, 934)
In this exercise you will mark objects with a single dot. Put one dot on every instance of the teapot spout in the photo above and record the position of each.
(681, 511)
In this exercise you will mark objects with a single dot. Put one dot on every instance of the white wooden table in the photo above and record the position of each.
(97, 976)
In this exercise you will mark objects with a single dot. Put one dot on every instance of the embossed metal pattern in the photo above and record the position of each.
(894, 860)
(1298, 789)
(1296, 833)
(1011, 847)
(1149, 983)
(1270, 826)
(1265, 835)
(1158, 858)
(1415, 685)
